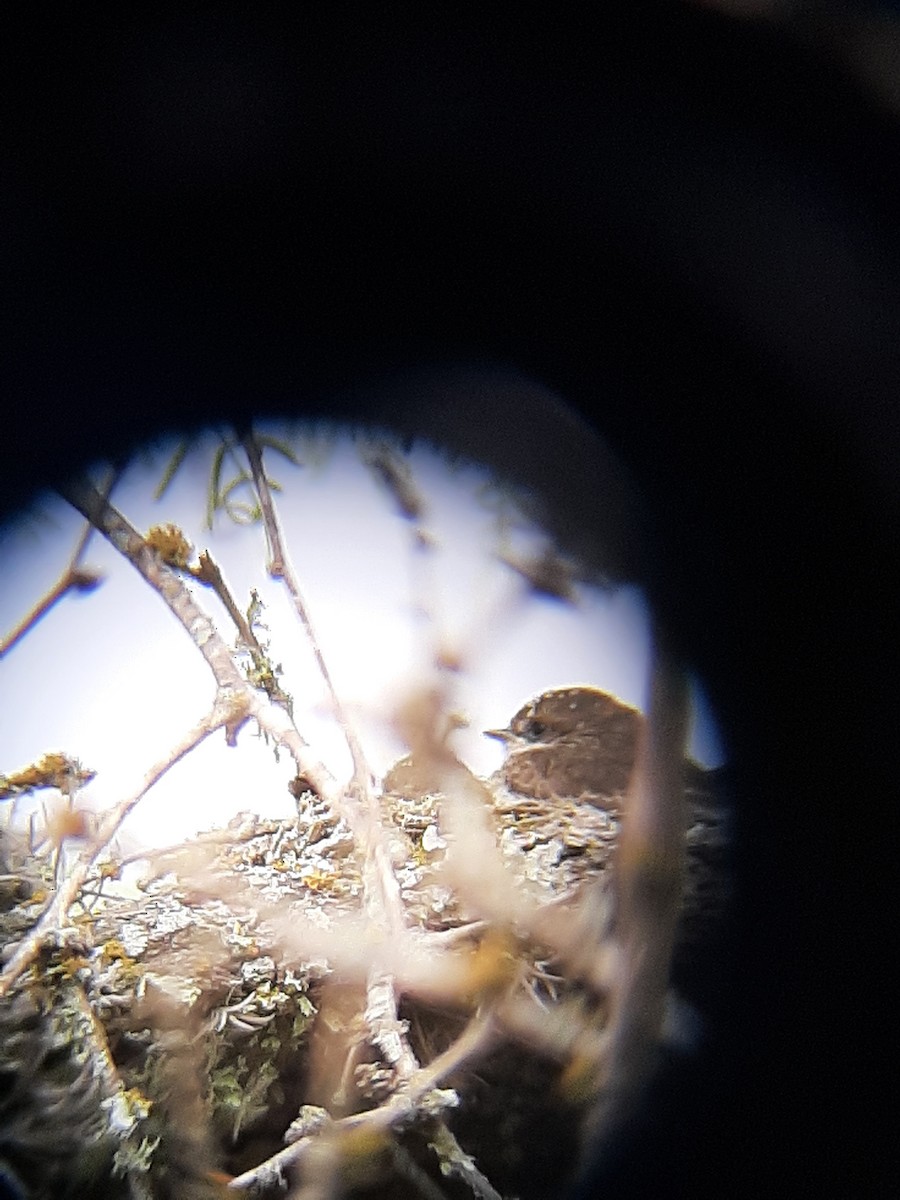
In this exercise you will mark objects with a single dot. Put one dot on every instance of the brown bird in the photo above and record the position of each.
(575, 743)
(579, 745)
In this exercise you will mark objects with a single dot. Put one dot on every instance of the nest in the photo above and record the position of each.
(169, 1043)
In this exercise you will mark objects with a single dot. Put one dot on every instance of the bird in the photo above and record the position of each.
(571, 751)
(574, 743)
(558, 799)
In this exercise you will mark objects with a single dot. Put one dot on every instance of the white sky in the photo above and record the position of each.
(112, 678)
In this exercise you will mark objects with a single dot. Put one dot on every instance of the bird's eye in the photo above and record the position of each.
(533, 730)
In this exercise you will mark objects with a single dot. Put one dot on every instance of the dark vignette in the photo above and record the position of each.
(682, 225)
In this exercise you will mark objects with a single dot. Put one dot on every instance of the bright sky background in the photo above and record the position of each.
(112, 678)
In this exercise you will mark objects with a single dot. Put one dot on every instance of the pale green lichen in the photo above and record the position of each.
(130, 1158)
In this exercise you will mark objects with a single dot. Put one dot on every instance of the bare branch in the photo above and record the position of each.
(83, 496)
(280, 567)
(649, 882)
(55, 915)
(478, 1035)
(381, 890)
(397, 479)
(74, 578)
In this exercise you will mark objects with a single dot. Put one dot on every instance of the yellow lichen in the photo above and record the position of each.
(53, 770)
(170, 544)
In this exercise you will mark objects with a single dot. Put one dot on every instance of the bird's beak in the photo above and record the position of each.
(502, 735)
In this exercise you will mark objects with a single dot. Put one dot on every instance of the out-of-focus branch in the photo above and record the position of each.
(649, 868)
(74, 578)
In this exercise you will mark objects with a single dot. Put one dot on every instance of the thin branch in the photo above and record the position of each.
(54, 916)
(478, 1035)
(395, 477)
(280, 567)
(208, 572)
(388, 1033)
(649, 869)
(381, 889)
(83, 496)
(73, 579)
(382, 892)
(236, 701)
(420, 1181)
(212, 837)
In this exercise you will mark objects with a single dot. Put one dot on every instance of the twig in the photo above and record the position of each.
(649, 870)
(396, 478)
(242, 701)
(74, 578)
(54, 915)
(280, 567)
(209, 572)
(388, 1032)
(264, 675)
(456, 1163)
(381, 890)
(82, 495)
(215, 837)
(421, 1182)
(476, 1037)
